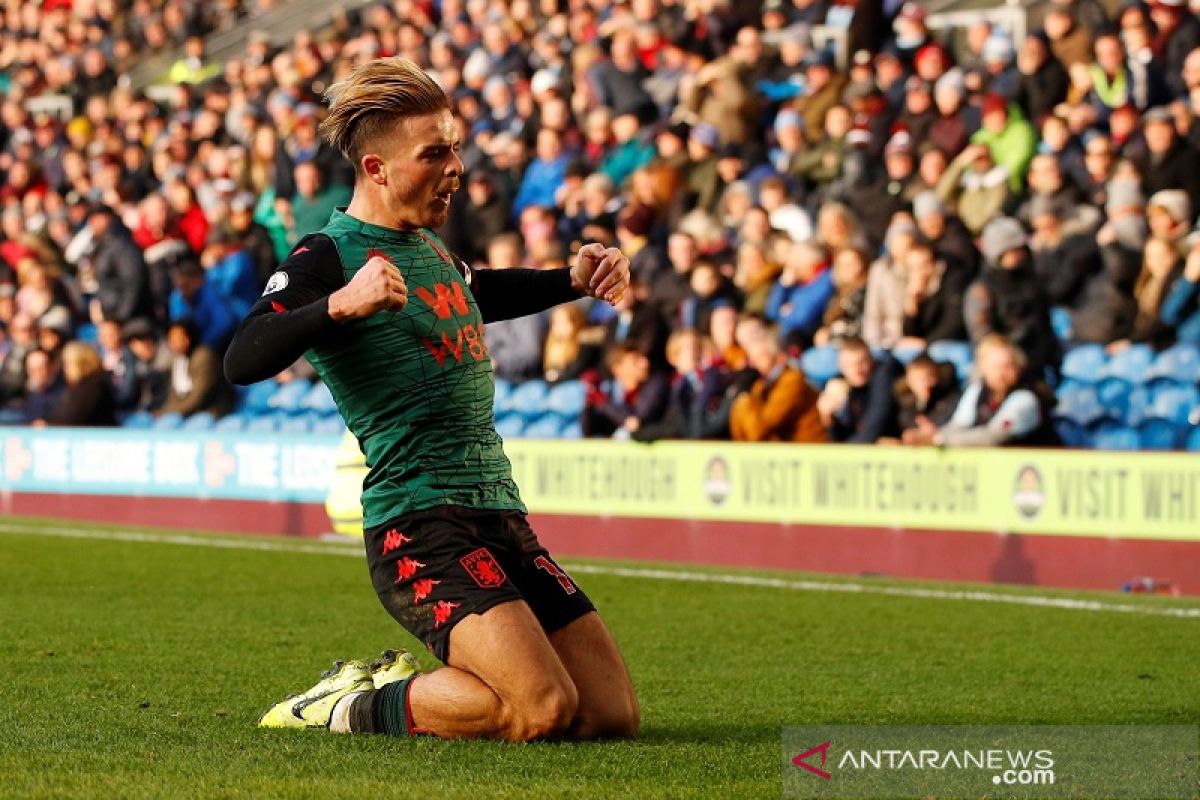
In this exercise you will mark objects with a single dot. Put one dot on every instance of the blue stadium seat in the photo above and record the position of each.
(319, 399)
(266, 423)
(1130, 364)
(1160, 434)
(200, 421)
(139, 420)
(906, 354)
(329, 426)
(819, 365)
(571, 430)
(1176, 402)
(528, 399)
(1084, 363)
(546, 426)
(1080, 404)
(256, 397)
(957, 353)
(299, 424)
(1060, 321)
(168, 422)
(230, 423)
(566, 399)
(290, 395)
(1179, 363)
(87, 333)
(503, 388)
(1072, 433)
(1193, 440)
(510, 426)
(1110, 435)
(1120, 399)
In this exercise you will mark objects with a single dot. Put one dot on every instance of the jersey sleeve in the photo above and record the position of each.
(291, 316)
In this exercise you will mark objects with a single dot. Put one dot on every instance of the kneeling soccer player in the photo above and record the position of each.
(450, 553)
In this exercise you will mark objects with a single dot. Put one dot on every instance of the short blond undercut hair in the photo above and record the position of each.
(375, 96)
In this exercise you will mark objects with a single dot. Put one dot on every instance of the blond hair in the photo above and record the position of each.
(80, 360)
(376, 95)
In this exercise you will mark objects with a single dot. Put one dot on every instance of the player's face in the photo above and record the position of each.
(424, 169)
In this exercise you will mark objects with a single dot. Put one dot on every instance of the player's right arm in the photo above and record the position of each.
(306, 301)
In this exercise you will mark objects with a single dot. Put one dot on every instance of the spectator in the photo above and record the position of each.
(754, 276)
(635, 396)
(858, 407)
(709, 291)
(44, 386)
(478, 215)
(638, 324)
(1162, 266)
(201, 303)
(780, 406)
(844, 313)
(516, 345)
(1177, 35)
(798, 299)
(950, 238)
(1168, 158)
(883, 315)
(22, 341)
(253, 237)
(697, 407)
(933, 298)
(150, 369)
(929, 390)
(1181, 307)
(1043, 81)
(974, 187)
(564, 357)
(544, 175)
(1062, 263)
(197, 382)
(122, 278)
(314, 201)
(87, 398)
(1008, 299)
(231, 269)
(1010, 140)
(1000, 407)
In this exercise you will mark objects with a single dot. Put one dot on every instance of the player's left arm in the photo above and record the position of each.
(505, 294)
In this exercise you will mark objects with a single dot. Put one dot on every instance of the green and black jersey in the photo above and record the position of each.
(414, 386)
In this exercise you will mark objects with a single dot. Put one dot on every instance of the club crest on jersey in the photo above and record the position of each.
(275, 283)
(483, 568)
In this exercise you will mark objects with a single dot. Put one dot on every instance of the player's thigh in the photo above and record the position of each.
(608, 704)
(506, 648)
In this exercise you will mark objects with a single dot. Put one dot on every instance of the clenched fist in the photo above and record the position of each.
(378, 286)
(601, 272)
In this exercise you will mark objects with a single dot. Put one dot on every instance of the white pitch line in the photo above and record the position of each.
(977, 596)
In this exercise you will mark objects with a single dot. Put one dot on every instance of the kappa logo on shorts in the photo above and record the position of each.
(442, 611)
(393, 539)
(422, 587)
(483, 567)
(406, 568)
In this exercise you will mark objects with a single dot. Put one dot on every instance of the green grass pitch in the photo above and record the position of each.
(138, 669)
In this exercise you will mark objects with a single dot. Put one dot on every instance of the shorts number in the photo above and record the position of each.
(541, 562)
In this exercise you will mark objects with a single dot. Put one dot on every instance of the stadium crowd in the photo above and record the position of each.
(1022, 196)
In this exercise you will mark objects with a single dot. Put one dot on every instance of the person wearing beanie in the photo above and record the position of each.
(1063, 261)
(1008, 299)
(1177, 34)
(950, 239)
(1169, 161)
(1009, 137)
(955, 120)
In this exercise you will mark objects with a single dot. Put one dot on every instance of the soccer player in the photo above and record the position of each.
(394, 326)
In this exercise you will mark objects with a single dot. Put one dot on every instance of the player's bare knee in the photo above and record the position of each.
(547, 717)
(619, 720)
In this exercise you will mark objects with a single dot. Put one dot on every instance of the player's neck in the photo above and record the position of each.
(365, 207)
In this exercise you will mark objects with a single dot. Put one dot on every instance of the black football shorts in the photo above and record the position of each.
(433, 567)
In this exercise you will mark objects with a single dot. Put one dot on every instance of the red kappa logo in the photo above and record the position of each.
(422, 589)
(394, 539)
(442, 611)
(407, 567)
(483, 568)
(801, 760)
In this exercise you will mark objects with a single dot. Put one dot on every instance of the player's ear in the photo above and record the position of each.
(373, 167)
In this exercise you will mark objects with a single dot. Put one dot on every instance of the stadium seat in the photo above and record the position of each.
(1160, 434)
(1176, 403)
(200, 421)
(1179, 363)
(510, 426)
(1120, 399)
(1111, 435)
(1131, 364)
(528, 399)
(566, 399)
(819, 365)
(957, 353)
(265, 423)
(299, 424)
(1072, 433)
(329, 426)
(1060, 321)
(1084, 363)
(139, 420)
(546, 426)
(1080, 404)
(230, 423)
(168, 422)
(290, 395)
(906, 354)
(256, 397)
(86, 333)
(1193, 440)
(319, 399)
(571, 430)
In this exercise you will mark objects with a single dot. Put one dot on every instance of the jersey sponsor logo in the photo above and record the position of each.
(468, 340)
(444, 300)
(482, 566)
(275, 283)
